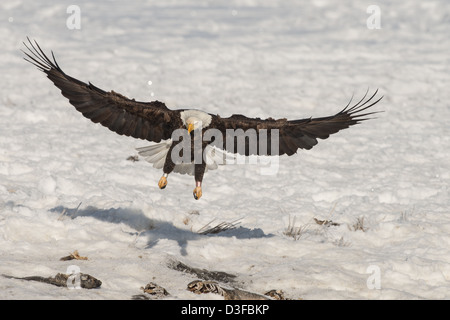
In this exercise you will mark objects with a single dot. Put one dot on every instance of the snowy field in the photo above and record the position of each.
(66, 183)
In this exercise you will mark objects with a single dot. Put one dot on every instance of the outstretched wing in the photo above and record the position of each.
(151, 121)
(256, 136)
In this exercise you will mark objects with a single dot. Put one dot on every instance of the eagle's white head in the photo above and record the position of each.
(195, 119)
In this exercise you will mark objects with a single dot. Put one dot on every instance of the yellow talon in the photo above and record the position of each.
(162, 182)
(197, 193)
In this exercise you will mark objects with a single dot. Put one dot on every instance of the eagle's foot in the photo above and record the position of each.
(197, 193)
(162, 182)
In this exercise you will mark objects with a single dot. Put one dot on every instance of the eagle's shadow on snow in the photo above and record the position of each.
(153, 229)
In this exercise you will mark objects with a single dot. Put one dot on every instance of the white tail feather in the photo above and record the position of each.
(156, 154)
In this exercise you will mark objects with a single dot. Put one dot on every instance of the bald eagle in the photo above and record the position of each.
(204, 133)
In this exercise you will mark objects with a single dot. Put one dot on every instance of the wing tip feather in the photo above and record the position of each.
(38, 58)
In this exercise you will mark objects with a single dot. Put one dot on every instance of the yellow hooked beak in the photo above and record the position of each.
(190, 127)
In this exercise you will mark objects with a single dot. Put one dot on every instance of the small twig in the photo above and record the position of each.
(73, 256)
(72, 214)
(133, 158)
(326, 223)
(62, 214)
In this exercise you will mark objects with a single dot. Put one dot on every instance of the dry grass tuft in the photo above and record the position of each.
(221, 227)
(293, 231)
(359, 225)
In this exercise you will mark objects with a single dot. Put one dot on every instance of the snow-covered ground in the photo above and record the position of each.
(66, 183)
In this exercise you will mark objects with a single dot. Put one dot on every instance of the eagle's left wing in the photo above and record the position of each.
(292, 134)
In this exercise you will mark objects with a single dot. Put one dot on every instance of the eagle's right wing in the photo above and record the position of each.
(151, 121)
